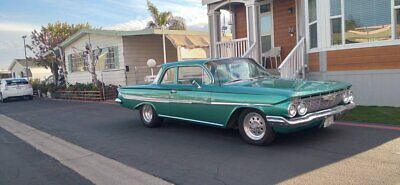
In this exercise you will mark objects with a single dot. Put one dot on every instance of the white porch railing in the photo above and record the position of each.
(294, 64)
(232, 48)
(250, 52)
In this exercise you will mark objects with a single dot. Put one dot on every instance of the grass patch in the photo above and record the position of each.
(386, 115)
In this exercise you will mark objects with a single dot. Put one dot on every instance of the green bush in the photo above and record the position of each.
(90, 87)
(42, 86)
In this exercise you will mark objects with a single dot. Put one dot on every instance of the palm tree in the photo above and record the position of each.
(164, 20)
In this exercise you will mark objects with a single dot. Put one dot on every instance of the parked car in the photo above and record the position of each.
(237, 93)
(14, 88)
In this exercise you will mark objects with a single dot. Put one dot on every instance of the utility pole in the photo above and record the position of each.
(26, 59)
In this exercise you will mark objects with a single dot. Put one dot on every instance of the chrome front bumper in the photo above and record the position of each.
(315, 116)
(118, 100)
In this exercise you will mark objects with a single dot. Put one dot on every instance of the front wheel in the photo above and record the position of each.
(254, 128)
(149, 116)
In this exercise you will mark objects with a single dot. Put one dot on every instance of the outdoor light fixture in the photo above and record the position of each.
(291, 31)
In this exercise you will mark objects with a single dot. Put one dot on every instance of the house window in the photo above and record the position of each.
(312, 23)
(266, 27)
(106, 59)
(336, 22)
(397, 18)
(367, 20)
(360, 21)
(78, 62)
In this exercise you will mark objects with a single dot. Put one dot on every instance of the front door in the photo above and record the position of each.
(190, 101)
(266, 26)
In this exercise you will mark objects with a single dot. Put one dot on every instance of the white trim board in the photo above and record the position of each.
(357, 46)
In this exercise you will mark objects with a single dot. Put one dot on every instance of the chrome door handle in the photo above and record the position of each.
(173, 91)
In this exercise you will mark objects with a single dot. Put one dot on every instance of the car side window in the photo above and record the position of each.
(169, 76)
(186, 75)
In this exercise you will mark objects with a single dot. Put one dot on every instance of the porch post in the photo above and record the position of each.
(253, 25)
(214, 24)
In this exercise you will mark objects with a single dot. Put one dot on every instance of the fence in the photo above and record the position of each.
(86, 95)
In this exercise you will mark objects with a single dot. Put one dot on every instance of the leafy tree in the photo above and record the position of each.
(164, 19)
(48, 38)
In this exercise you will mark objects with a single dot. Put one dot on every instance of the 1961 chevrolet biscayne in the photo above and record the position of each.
(237, 93)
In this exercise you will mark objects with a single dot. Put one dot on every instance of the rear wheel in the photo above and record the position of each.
(2, 99)
(30, 97)
(254, 128)
(149, 116)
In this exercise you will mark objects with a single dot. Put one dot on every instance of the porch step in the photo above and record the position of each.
(274, 72)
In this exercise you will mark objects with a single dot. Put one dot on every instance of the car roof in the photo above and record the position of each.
(187, 62)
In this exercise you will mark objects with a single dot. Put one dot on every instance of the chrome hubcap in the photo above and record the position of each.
(254, 126)
(147, 113)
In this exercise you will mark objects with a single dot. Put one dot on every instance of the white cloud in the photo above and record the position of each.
(195, 16)
(17, 27)
(135, 24)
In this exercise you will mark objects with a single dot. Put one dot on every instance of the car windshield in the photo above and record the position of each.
(236, 70)
(12, 82)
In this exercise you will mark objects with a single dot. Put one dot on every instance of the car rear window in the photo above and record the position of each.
(16, 82)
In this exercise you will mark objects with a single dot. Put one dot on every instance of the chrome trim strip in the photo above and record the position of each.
(311, 116)
(160, 100)
(239, 104)
(141, 98)
(205, 122)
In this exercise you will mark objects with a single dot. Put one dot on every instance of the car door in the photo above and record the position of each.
(188, 100)
(165, 87)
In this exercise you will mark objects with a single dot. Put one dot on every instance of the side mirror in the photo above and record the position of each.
(196, 84)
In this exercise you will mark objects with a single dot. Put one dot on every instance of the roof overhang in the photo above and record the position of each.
(5, 72)
(81, 33)
(189, 41)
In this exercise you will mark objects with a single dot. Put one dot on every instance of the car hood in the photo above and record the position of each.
(288, 88)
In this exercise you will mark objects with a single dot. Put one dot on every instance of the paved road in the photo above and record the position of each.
(22, 164)
(184, 153)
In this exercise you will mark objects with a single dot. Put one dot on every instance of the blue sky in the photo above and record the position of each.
(20, 17)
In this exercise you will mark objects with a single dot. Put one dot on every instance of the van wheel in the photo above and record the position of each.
(3, 100)
(254, 128)
(149, 116)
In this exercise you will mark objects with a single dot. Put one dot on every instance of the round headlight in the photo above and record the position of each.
(292, 111)
(345, 97)
(348, 97)
(302, 109)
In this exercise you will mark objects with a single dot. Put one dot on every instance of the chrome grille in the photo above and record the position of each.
(324, 101)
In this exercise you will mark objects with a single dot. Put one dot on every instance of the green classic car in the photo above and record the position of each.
(237, 93)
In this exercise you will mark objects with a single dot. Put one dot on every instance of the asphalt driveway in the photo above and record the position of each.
(185, 153)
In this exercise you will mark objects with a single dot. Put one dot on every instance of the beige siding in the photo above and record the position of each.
(139, 49)
(116, 77)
